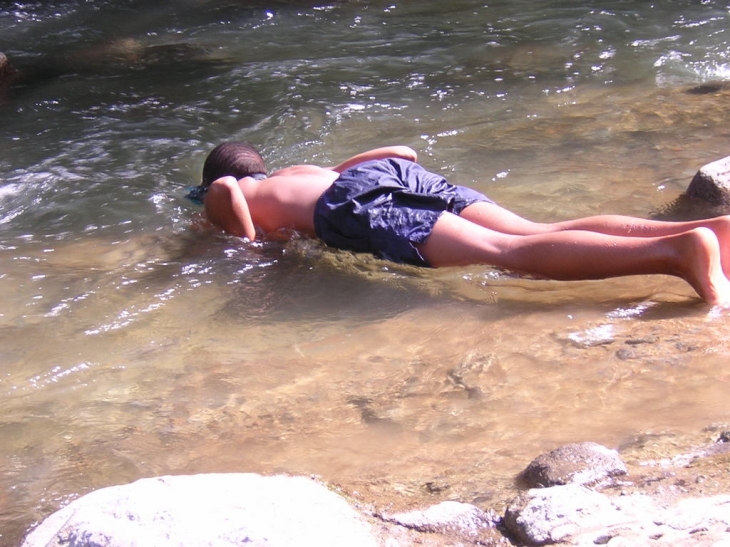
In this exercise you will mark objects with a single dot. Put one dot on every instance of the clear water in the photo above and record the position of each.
(135, 341)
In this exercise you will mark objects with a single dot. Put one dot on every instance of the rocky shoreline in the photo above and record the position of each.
(659, 491)
(591, 497)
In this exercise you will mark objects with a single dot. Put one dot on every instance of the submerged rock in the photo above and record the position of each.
(121, 56)
(133, 53)
(580, 463)
(708, 88)
(203, 510)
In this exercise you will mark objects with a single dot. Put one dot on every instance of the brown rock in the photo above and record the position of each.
(581, 463)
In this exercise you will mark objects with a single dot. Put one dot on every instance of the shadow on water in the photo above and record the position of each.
(296, 290)
(302, 281)
(686, 207)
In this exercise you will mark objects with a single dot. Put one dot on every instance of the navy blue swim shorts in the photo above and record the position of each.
(385, 207)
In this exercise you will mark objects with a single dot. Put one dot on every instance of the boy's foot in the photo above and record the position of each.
(701, 260)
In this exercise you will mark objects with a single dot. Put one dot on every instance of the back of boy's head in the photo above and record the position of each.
(235, 158)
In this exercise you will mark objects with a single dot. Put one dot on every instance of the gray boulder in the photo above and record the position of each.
(579, 463)
(207, 510)
(712, 183)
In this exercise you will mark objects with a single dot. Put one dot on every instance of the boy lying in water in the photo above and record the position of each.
(384, 203)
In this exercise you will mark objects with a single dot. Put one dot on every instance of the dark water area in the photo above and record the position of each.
(136, 341)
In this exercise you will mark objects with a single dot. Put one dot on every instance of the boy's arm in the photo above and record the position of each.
(403, 152)
(226, 207)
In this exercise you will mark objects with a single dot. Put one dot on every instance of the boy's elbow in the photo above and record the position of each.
(219, 208)
(223, 184)
(408, 153)
(218, 191)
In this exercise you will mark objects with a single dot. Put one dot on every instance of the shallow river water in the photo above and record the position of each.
(136, 341)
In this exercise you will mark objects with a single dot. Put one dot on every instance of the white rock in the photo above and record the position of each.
(574, 515)
(548, 515)
(450, 518)
(207, 510)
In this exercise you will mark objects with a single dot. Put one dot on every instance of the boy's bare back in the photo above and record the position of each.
(286, 199)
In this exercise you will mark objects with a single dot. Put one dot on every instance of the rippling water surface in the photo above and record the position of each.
(135, 341)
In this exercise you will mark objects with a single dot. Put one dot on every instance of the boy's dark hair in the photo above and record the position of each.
(235, 158)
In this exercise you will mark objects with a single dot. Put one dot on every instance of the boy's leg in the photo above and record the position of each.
(494, 217)
(693, 255)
